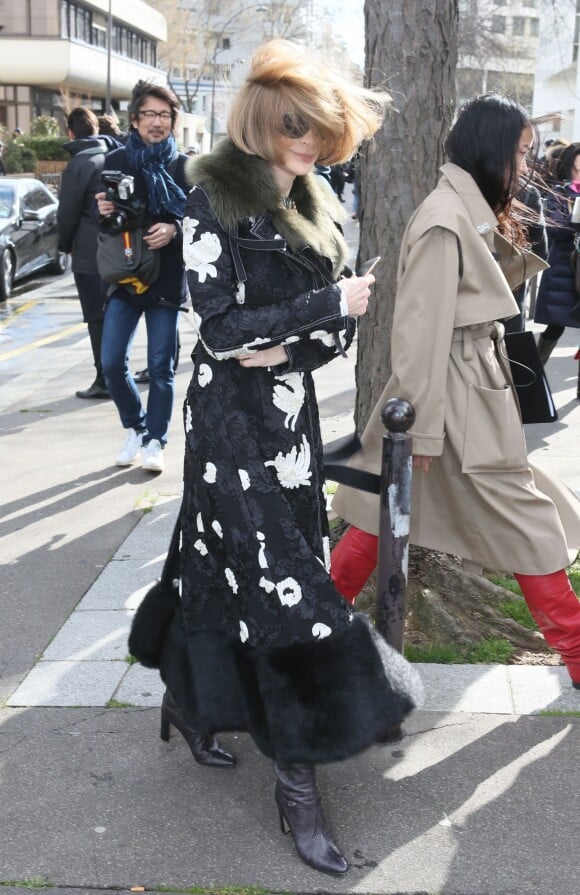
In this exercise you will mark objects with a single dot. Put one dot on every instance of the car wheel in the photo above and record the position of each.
(6, 274)
(59, 265)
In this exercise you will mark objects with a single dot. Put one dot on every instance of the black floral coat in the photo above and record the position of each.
(263, 641)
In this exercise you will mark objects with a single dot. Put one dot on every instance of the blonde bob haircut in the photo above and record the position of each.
(288, 92)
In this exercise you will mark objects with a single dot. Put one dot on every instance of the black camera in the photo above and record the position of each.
(129, 211)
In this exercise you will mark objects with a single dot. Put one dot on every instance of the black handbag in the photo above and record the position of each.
(530, 381)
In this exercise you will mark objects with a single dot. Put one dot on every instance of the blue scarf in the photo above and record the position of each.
(153, 160)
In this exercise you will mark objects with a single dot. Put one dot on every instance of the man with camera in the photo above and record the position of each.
(144, 198)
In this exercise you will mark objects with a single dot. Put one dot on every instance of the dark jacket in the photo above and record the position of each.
(170, 286)
(77, 229)
(557, 293)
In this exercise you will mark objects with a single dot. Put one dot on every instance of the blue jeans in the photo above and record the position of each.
(121, 319)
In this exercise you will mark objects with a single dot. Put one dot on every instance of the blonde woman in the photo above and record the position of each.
(261, 640)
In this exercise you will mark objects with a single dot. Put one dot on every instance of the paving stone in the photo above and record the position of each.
(91, 636)
(122, 584)
(538, 688)
(141, 686)
(69, 684)
(466, 688)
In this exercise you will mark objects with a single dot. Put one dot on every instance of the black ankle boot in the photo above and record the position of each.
(300, 810)
(205, 749)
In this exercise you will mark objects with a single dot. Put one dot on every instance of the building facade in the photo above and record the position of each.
(56, 54)
(557, 87)
(498, 46)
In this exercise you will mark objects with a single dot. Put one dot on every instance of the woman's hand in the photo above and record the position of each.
(421, 462)
(356, 291)
(268, 357)
(159, 235)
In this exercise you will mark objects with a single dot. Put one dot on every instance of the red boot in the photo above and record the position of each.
(352, 561)
(556, 610)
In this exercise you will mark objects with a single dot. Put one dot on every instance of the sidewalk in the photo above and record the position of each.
(479, 798)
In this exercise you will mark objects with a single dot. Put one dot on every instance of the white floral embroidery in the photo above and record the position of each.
(200, 254)
(289, 397)
(293, 469)
(244, 633)
(217, 528)
(289, 592)
(268, 586)
(188, 419)
(320, 631)
(324, 337)
(231, 578)
(262, 561)
(244, 479)
(244, 351)
(241, 293)
(204, 375)
(210, 473)
(326, 548)
(290, 340)
(189, 227)
(201, 547)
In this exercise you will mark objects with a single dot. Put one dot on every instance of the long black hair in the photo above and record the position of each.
(483, 141)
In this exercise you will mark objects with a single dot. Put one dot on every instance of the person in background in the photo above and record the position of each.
(537, 238)
(78, 230)
(260, 639)
(558, 302)
(2, 168)
(150, 156)
(475, 493)
(109, 128)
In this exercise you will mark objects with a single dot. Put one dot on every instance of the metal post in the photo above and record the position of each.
(395, 511)
(108, 103)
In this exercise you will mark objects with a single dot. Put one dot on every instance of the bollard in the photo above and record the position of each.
(395, 511)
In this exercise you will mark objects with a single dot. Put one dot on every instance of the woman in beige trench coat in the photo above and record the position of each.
(475, 493)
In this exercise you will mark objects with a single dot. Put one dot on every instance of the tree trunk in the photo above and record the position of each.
(411, 50)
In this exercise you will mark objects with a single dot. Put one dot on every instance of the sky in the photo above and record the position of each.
(348, 20)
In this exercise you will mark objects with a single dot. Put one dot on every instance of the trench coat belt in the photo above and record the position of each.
(467, 334)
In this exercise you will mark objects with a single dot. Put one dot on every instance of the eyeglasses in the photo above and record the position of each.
(150, 115)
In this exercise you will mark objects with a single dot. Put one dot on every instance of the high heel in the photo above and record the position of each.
(205, 749)
(300, 813)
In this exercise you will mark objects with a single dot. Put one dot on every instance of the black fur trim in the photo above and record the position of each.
(151, 623)
(309, 702)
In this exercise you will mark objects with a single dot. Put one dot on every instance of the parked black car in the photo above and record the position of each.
(28, 232)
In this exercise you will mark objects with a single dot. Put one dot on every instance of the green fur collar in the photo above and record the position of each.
(241, 186)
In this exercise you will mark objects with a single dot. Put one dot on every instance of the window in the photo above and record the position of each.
(226, 43)
(534, 27)
(498, 24)
(518, 25)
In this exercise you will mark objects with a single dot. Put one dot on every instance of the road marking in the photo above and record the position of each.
(15, 311)
(75, 328)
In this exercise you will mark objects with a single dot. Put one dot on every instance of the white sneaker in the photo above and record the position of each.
(131, 449)
(153, 456)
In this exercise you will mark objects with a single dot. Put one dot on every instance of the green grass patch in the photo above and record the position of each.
(115, 704)
(518, 610)
(31, 882)
(489, 651)
(130, 660)
(574, 574)
(508, 582)
(559, 713)
(434, 653)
